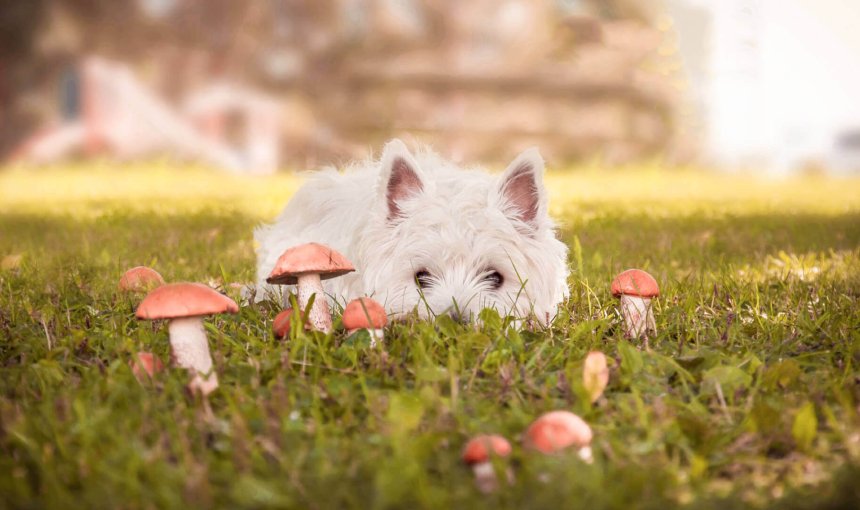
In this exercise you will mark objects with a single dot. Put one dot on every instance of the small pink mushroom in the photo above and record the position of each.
(282, 322)
(145, 365)
(558, 430)
(140, 279)
(365, 313)
(478, 453)
(305, 266)
(184, 305)
(636, 288)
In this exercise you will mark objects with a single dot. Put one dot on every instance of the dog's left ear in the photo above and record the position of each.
(520, 192)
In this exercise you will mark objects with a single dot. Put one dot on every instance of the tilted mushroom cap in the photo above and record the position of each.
(355, 317)
(595, 374)
(178, 300)
(479, 448)
(635, 282)
(146, 364)
(311, 258)
(140, 279)
(556, 431)
(281, 324)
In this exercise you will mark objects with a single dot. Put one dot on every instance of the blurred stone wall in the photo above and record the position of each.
(478, 80)
(483, 79)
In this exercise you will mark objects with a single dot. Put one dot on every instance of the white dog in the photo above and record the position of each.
(424, 235)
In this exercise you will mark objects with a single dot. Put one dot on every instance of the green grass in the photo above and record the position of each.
(749, 396)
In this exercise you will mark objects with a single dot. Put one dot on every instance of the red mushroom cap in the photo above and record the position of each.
(635, 282)
(140, 279)
(355, 316)
(145, 364)
(556, 431)
(311, 258)
(178, 300)
(281, 324)
(480, 448)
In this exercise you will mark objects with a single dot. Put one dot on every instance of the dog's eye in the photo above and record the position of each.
(423, 278)
(495, 279)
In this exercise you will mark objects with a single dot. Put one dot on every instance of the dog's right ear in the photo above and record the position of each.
(521, 193)
(400, 177)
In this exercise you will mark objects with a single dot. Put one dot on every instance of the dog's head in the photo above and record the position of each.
(444, 240)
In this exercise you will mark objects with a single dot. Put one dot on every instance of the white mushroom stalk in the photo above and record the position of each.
(638, 317)
(319, 315)
(189, 348)
(636, 288)
(478, 453)
(305, 266)
(585, 454)
(485, 477)
(184, 305)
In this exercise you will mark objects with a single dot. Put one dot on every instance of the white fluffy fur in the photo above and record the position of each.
(457, 225)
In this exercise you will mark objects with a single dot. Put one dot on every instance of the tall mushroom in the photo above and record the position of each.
(140, 279)
(365, 313)
(558, 430)
(184, 305)
(636, 288)
(478, 453)
(305, 266)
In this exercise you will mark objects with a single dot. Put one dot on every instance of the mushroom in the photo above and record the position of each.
(281, 324)
(557, 430)
(305, 266)
(636, 288)
(184, 305)
(365, 313)
(478, 452)
(145, 365)
(140, 279)
(595, 374)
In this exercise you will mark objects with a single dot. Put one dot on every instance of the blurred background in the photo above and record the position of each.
(254, 86)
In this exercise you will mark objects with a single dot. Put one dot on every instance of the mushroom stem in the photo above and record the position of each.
(638, 317)
(319, 316)
(189, 348)
(586, 455)
(485, 477)
(375, 334)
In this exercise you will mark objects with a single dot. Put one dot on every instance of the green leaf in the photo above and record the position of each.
(577, 257)
(730, 378)
(766, 415)
(404, 413)
(631, 358)
(448, 326)
(491, 320)
(805, 426)
(783, 374)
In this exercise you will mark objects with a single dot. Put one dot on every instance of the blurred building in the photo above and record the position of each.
(478, 79)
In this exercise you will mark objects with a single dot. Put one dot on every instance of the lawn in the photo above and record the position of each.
(749, 395)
